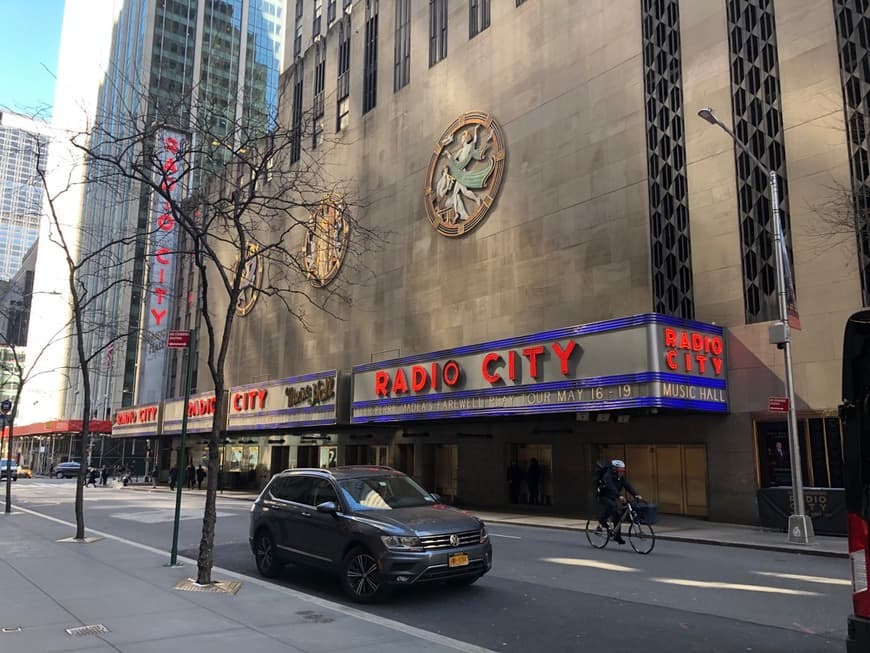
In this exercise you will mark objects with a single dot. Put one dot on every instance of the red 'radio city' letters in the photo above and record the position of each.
(494, 360)
(421, 378)
(165, 222)
(690, 351)
(133, 416)
(201, 407)
(249, 400)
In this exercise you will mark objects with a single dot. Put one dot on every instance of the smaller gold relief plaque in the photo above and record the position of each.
(326, 241)
(465, 173)
(251, 280)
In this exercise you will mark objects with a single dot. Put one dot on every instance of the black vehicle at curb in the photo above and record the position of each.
(373, 526)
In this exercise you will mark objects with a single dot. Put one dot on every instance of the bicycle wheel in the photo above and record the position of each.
(596, 535)
(642, 537)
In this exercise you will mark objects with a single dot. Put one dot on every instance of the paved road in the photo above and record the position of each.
(548, 590)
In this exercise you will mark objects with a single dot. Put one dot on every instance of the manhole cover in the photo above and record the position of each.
(218, 586)
(79, 631)
(315, 617)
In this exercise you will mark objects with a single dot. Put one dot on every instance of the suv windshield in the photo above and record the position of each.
(384, 493)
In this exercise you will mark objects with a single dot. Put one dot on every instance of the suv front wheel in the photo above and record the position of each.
(360, 576)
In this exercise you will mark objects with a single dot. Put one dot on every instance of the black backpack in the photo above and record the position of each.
(600, 470)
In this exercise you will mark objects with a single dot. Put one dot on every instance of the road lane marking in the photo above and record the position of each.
(595, 564)
(162, 516)
(718, 585)
(398, 626)
(824, 580)
(510, 537)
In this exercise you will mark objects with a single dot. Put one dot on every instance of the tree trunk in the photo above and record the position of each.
(205, 561)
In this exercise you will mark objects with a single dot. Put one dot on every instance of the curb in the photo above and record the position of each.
(694, 540)
(664, 537)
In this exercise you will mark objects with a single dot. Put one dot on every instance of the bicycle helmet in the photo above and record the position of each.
(618, 464)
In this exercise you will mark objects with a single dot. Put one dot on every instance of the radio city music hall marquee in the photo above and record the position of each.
(308, 400)
(643, 361)
(200, 414)
(136, 421)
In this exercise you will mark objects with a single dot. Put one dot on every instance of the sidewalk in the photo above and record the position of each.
(668, 527)
(124, 598)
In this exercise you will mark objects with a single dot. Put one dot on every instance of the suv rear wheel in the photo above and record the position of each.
(360, 576)
(265, 554)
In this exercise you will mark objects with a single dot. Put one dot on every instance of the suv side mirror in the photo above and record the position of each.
(437, 497)
(327, 506)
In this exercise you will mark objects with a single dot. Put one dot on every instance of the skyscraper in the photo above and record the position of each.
(21, 139)
(167, 60)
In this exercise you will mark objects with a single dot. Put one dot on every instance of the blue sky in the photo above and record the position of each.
(29, 41)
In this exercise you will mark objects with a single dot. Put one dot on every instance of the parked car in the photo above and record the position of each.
(373, 526)
(7, 468)
(25, 472)
(67, 470)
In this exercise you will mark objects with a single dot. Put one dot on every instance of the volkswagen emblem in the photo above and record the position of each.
(454, 540)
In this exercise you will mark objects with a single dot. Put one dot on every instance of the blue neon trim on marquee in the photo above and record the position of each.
(304, 378)
(553, 386)
(599, 406)
(555, 334)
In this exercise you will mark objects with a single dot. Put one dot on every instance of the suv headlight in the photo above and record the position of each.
(396, 543)
(484, 536)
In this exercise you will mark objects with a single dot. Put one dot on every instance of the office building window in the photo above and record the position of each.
(853, 37)
(296, 133)
(666, 159)
(330, 12)
(478, 17)
(342, 95)
(519, 2)
(402, 63)
(757, 121)
(297, 40)
(317, 110)
(437, 31)
(370, 56)
(318, 15)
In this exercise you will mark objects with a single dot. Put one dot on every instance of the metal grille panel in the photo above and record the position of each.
(757, 113)
(852, 18)
(666, 160)
(443, 541)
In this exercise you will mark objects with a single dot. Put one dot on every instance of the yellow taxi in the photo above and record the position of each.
(25, 472)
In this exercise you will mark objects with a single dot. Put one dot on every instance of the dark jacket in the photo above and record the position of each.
(614, 484)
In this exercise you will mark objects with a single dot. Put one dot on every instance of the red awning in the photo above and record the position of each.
(62, 427)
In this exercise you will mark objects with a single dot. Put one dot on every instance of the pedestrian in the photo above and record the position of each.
(104, 475)
(514, 478)
(92, 478)
(173, 477)
(190, 473)
(51, 470)
(200, 476)
(154, 473)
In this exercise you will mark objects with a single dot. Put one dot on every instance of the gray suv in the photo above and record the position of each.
(373, 526)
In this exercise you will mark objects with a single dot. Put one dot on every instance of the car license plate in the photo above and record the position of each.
(457, 560)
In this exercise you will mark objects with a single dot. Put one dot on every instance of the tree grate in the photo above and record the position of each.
(216, 587)
(81, 631)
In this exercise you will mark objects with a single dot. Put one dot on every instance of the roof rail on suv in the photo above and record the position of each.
(328, 470)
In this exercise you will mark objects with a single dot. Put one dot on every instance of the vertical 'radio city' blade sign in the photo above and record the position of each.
(161, 261)
(642, 361)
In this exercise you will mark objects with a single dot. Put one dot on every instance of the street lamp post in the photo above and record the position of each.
(800, 527)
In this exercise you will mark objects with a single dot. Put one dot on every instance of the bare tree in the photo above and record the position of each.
(95, 260)
(242, 194)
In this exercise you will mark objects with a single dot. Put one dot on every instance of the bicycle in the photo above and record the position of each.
(641, 535)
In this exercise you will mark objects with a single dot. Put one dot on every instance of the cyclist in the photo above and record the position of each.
(614, 482)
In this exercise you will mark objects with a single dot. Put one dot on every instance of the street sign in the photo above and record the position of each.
(5, 406)
(777, 404)
(178, 340)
